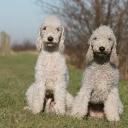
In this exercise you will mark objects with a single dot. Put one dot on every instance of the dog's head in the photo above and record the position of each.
(51, 35)
(102, 45)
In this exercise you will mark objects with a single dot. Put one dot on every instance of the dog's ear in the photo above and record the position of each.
(61, 43)
(89, 55)
(114, 57)
(39, 43)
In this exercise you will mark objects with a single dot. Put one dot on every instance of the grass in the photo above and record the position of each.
(16, 75)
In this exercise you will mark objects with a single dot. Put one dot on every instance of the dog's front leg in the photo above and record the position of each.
(35, 97)
(80, 104)
(60, 97)
(38, 98)
(111, 105)
(36, 92)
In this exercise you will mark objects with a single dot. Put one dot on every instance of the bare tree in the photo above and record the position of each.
(81, 17)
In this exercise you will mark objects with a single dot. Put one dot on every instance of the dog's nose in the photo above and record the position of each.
(50, 38)
(102, 48)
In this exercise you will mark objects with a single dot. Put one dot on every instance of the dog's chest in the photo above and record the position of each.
(50, 74)
(52, 67)
(101, 82)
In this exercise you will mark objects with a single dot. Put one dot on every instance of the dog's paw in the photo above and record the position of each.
(113, 118)
(59, 110)
(77, 115)
(26, 108)
(50, 106)
(96, 114)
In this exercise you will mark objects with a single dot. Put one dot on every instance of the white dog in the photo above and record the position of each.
(101, 77)
(51, 77)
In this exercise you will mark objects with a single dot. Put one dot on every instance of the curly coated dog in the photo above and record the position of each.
(101, 77)
(49, 91)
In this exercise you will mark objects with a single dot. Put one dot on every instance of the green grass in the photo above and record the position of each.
(16, 75)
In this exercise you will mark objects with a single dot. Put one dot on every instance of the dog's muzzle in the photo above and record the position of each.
(50, 44)
(101, 54)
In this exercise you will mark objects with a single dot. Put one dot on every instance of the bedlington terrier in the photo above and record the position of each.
(51, 73)
(101, 77)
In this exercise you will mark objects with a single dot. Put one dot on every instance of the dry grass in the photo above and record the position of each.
(16, 74)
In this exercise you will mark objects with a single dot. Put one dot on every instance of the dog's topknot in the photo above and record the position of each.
(52, 21)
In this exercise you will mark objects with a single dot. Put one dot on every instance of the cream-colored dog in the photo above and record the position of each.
(101, 77)
(51, 73)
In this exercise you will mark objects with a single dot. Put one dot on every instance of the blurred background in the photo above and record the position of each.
(20, 21)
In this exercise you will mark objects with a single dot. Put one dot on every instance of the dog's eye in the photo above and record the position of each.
(44, 28)
(110, 39)
(58, 29)
(95, 38)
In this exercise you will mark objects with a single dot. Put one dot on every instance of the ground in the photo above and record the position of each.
(16, 75)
